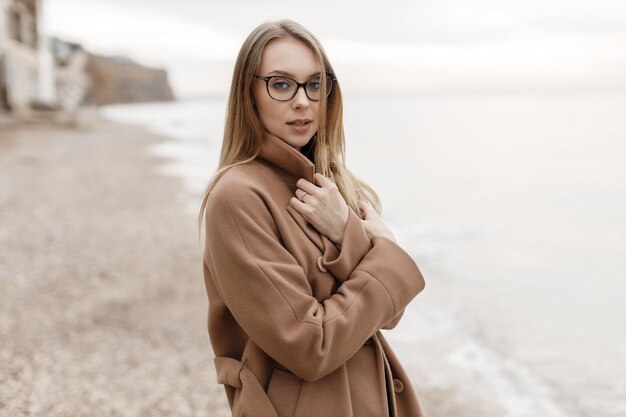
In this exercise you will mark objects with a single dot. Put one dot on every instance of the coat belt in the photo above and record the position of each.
(253, 399)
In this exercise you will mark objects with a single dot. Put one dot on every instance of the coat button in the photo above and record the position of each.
(398, 386)
(320, 265)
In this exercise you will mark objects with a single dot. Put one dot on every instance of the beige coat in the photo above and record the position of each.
(294, 321)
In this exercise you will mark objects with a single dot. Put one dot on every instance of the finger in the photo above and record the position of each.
(300, 194)
(321, 180)
(365, 208)
(367, 204)
(307, 186)
(330, 178)
(361, 208)
(297, 204)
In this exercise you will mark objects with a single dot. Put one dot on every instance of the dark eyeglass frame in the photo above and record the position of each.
(298, 85)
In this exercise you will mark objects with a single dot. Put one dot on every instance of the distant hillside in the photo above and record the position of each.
(120, 80)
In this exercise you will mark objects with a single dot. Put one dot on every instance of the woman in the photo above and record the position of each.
(299, 285)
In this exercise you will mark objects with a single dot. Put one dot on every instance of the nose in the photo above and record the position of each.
(301, 100)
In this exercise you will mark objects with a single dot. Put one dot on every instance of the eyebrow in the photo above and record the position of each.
(288, 74)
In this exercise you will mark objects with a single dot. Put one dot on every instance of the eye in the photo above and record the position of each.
(313, 84)
(281, 83)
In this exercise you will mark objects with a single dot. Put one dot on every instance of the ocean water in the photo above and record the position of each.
(513, 207)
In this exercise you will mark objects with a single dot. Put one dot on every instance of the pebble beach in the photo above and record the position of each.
(102, 304)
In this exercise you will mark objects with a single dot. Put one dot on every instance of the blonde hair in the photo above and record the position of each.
(243, 130)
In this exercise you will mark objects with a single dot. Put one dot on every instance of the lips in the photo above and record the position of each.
(299, 122)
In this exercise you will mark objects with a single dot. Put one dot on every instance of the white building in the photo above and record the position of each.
(26, 64)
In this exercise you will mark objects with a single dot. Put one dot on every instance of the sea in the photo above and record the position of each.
(512, 204)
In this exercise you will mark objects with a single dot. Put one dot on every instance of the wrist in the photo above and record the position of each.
(338, 239)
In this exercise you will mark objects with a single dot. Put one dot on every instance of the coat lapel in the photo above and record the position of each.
(284, 156)
(279, 153)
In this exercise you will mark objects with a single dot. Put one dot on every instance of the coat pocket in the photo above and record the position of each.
(284, 392)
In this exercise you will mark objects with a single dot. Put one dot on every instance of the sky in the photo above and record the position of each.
(413, 46)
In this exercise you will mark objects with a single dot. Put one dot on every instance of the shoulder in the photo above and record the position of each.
(237, 178)
(239, 202)
(241, 189)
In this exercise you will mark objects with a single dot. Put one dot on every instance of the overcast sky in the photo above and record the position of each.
(429, 45)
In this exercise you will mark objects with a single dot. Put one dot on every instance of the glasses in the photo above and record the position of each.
(282, 88)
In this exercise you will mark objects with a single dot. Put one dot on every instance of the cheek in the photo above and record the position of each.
(267, 115)
(270, 112)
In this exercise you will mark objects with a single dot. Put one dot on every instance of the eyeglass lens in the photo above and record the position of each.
(284, 88)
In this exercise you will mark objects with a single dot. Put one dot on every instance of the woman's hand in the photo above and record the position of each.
(323, 206)
(374, 225)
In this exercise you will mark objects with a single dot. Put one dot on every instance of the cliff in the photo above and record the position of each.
(120, 80)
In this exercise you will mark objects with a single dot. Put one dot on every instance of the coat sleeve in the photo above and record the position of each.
(394, 321)
(341, 262)
(269, 295)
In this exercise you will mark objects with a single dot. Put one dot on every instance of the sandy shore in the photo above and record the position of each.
(102, 304)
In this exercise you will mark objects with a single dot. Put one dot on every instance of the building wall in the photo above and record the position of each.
(47, 83)
(19, 50)
(3, 93)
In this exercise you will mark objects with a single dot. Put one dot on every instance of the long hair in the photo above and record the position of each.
(243, 130)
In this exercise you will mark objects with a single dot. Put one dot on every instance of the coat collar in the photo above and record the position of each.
(283, 155)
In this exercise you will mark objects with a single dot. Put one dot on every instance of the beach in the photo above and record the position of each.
(102, 304)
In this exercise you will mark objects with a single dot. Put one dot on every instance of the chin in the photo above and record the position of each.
(297, 142)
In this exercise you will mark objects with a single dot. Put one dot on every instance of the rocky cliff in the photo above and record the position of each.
(120, 80)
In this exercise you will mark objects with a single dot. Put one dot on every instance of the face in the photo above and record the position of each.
(294, 57)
